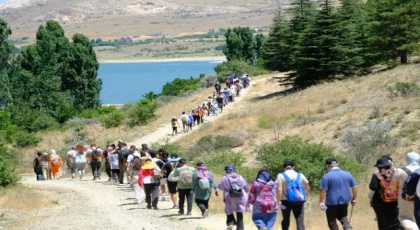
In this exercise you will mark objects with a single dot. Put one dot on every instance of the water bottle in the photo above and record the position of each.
(324, 207)
(282, 207)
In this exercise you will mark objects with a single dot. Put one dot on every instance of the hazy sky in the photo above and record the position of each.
(2, 1)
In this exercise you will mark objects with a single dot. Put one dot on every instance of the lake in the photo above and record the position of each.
(124, 83)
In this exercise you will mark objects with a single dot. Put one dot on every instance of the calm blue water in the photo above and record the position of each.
(127, 82)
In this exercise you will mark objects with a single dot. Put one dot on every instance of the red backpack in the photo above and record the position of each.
(387, 193)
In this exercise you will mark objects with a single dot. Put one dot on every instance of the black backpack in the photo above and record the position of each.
(404, 188)
(235, 188)
(95, 153)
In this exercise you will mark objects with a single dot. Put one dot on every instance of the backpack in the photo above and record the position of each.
(185, 177)
(295, 191)
(404, 188)
(204, 183)
(386, 193)
(173, 121)
(235, 189)
(184, 119)
(167, 168)
(55, 161)
(157, 175)
(95, 154)
(136, 163)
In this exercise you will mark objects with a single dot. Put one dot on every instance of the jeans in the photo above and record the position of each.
(203, 205)
(337, 212)
(264, 220)
(96, 168)
(152, 194)
(185, 193)
(239, 221)
(417, 210)
(298, 212)
(140, 196)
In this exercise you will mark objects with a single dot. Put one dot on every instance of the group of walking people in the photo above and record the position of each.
(212, 105)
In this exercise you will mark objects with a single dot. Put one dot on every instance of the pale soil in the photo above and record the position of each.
(91, 204)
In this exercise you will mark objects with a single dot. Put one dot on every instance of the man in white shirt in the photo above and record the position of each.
(290, 174)
(406, 214)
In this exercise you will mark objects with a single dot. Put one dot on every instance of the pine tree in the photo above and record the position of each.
(239, 44)
(394, 29)
(279, 47)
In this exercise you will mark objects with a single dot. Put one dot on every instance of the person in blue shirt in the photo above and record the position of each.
(337, 190)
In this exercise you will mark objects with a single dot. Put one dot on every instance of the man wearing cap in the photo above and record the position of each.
(185, 175)
(406, 207)
(291, 174)
(335, 194)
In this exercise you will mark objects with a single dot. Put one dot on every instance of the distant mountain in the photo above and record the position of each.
(122, 18)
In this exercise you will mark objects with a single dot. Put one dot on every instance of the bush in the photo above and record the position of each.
(216, 162)
(8, 161)
(97, 112)
(24, 139)
(404, 89)
(113, 119)
(44, 122)
(226, 68)
(209, 144)
(208, 81)
(368, 142)
(410, 130)
(141, 112)
(309, 158)
(178, 86)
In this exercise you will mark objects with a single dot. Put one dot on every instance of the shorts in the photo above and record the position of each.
(163, 181)
(174, 128)
(172, 187)
(220, 105)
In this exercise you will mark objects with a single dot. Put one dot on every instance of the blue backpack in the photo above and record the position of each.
(295, 191)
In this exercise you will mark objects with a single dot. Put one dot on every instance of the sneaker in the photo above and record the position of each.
(149, 207)
(188, 213)
(206, 213)
(94, 178)
(230, 227)
(181, 212)
(175, 207)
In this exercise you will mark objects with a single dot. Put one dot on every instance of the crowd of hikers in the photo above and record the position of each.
(160, 176)
(213, 104)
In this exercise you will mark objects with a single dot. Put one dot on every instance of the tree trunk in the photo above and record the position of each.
(404, 58)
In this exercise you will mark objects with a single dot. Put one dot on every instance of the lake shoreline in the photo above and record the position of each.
(186, 59)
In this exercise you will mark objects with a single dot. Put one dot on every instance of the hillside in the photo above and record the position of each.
(111, 19)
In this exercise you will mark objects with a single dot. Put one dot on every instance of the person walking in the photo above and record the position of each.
(36, 165)
(55, 164)
(70, 161)
(413, 193)
(149, 183)
(385, 198)
(45, 165)
(185, 120)
(337, 189)
(202, 184)
(136, 164)
(170, 166)
(184, 173)
(80, 160)
(123, 153)
(217, 87)
(113, 159)
(400, 176)
(226, 96)
(175, 125)
(290, 180)
(95, 157)
(262, 197)
(235, 195)
(220, 102)
(190, 121)
(105, 156)
(133, 173)
(195, 113)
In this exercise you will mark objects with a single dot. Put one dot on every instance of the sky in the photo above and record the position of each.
(2, 1)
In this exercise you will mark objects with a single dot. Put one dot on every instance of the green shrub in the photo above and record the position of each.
(8, 162)
(169, 147)
(141, 112)
(44, 122)
(404, 89)
(309, 158)
(216, 162)
(179, 86)
(97, 112)
(226, 68)
(113, 119)
(209, 144)
(410, 130)
(24, 139)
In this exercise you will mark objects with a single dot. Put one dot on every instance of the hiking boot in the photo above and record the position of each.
(149, 207)
(155, 208)
(188, 213)
(206, 213)
(181, 212)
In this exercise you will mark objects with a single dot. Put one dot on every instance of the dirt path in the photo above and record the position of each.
(164, 132)
(90, 204)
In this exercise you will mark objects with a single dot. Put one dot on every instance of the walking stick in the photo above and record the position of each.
(351, 213)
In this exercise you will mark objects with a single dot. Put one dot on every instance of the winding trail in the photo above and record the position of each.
(87, 204)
